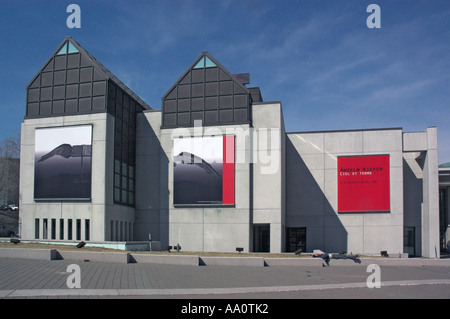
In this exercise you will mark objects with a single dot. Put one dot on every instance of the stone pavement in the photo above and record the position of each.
(29, 278)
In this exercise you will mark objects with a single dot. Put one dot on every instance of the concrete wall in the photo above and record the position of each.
(269, 166)
(100, 210)
(413, 194)
(311, 195)
(259, 186)
(152, 167)
(281, 180)
(427, 170)
(194, 228)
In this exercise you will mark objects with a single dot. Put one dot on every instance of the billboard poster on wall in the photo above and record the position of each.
(363, 183)
(62, 169)
(203, 170)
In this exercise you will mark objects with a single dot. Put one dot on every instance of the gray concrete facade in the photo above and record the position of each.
(285, 183)
(101, 211)
(259, 175)
(312, 190)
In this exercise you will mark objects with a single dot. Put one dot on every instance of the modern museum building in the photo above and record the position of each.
(214, 169)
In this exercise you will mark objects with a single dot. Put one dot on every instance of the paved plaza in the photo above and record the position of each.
(28, 278)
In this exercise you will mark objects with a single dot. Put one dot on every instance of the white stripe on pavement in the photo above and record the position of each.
(204, 291)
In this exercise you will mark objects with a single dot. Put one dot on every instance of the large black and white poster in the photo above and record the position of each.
(62, 168)
(203, 173)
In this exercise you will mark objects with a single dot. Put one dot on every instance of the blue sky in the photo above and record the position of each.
(319, 58)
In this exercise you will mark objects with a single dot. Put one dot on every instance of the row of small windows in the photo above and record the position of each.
(62, 229)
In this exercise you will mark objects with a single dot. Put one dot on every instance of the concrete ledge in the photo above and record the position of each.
(416, 262)
(232, 261)
(185, 260)
(298, 262)
(194, 260)
(94, 256)
(40, 254)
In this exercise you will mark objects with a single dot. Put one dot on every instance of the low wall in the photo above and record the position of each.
(194, 260)
(232, 261)
(122, 258)
(40, 254)
(185, 260)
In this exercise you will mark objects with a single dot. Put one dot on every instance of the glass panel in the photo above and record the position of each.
(200, 64)
(63, 49)
(124, 169)
(36, 228)
(53, 228)
(44, 229)
(69, 229)
(61, 229)
(131, 185)
(124, 196)
(116, 180)
(72, 49)
(209, 63)
(87, 229)
(131, 198)
(78, 233)
(117, 194)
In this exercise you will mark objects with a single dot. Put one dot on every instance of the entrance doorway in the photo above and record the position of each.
(443, 222)
(409, 241)
(295, 239)
(261, 238)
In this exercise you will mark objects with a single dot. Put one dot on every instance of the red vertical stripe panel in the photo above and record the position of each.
(228, 171)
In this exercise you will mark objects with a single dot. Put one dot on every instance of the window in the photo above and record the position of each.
(53, 228)
(409, 241)
(63, 49)
(69, 229)
(296, 239)
(443, 218)
(36, 228)
(44, 228)
(78, 229)
(87, 229)
(124, 181)
(61, 229)
(71, 48)
(124, 148)
(204, 62)
(68, 47)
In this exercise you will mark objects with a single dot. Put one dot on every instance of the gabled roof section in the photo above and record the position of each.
(108, 73)
(206, 91)
(68, 47)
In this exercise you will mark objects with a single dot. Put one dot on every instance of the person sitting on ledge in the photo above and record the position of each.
(327, 257)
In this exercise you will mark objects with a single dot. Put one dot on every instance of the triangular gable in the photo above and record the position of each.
(72, 81)
(206, 91)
